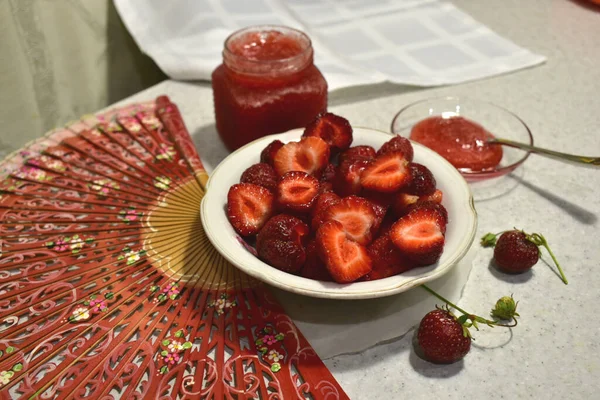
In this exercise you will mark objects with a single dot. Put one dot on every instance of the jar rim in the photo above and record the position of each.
(228, 53)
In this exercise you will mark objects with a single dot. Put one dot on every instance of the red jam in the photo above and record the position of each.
(266, 84)
(460, 141)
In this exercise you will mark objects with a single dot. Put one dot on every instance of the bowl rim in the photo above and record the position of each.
(465, 172)
(329, 293)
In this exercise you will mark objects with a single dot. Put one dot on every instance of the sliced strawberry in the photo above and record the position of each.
(402, 203)
(356, 216)
(358, 152)
(423, 182)
(347, 178)
(261, 174)
(325, 187)
(387, 173)
(249, 207)
(380, 213)
(333, 129)
(297, 191)
(322, 204)
(440, 210)
(380, 203)
(310, 155)
(302, 216)
(436, 197)
(419, 236)
(345, 259)
(328, 174)
(397, 144)
(388, 221)
(268, 154)
(314, 268)
(379, 198)
(387, 259)
(281, 243)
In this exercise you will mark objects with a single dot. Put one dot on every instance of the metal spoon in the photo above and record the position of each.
(582, 161)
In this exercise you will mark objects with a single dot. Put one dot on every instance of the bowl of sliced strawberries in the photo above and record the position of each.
(336, 211)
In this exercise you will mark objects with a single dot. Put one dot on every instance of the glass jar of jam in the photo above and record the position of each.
(266, 84)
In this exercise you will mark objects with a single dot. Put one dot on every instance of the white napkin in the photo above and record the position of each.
(334, 327)
(417, 42)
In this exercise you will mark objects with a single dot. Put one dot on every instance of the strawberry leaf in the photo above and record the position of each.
(488, 240)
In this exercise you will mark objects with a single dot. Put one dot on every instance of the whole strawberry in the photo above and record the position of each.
(517, 251)
(514, 253)
(442, 338)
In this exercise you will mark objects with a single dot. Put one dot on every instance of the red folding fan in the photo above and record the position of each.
(109, 287)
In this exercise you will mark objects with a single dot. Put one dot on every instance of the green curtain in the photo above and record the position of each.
(60, 59)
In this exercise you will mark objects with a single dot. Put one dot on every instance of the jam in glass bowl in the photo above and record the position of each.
(459, 129)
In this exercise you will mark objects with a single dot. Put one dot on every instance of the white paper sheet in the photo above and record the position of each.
(336, 327)
(417, 42)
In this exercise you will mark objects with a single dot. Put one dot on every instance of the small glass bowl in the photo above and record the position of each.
(498, 121)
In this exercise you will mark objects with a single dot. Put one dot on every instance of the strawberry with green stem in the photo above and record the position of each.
(468, 319)
(516, 251)
(444, 338)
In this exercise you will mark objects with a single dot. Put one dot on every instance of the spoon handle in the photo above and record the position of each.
(591, 162)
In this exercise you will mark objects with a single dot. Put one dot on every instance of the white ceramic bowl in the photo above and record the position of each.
(457, 200)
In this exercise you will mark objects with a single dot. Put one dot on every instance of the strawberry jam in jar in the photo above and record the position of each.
(266, 84)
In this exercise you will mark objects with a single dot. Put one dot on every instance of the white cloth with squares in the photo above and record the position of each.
(415, 42)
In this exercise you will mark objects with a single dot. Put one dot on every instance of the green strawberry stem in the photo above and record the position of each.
(540, 240)
(474, 318)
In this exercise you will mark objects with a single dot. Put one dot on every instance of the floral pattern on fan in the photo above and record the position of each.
(103, 187)
(48, 162)
(74, 243)
(267, 344)
(130, 214)
(162, 182)
(173, 352)
(222, 304)
(166, 152)
(131, 256)
(6, 376)
(94, 305)
(170, 291)
(33, 173)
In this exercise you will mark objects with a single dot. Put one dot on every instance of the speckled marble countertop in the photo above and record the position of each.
(554, 352)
